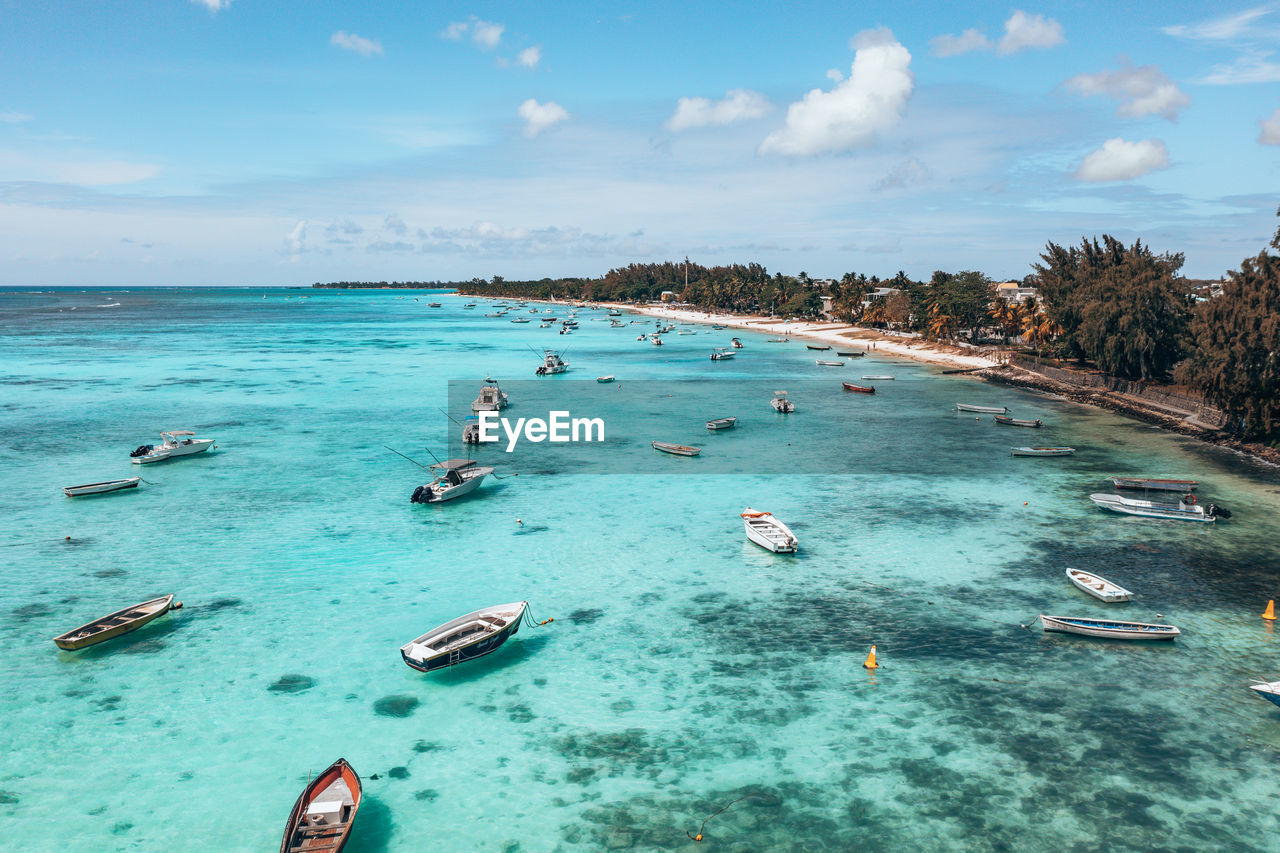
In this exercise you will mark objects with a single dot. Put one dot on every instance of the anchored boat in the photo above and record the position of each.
(1154, 484)
(475, 635)
(721, 423)
(722, 353)
(458, 477)
(551, 364)
(490, 399)
(781, 404)
(1021, 422)
(608, 378)
(322, 817)
(985, 410)
(767, 532)
(875, 377)
(676, 449)
(860, 389)
(101, 488)
(115, 624)
(851, 353)
(1041, 451)
(1186, 509)
(1108, 628)
(1098, 587)
(821, 363)
(816, 347)
(176, 442)
(1269, 690)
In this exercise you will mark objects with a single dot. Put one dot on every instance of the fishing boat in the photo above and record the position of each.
(177, 442)
(656, 341)
(551, 364)
(821, 363)
(471, 430)
(1154, 485)
(490, 399)
(1186, 509)
(608, 378)
(816, 347)
(781, 404)
(429, 304)
(115, 624)
(722, 354)
(475, 635)
(1098, 587)
(1041, 451)
(676, 449)
(1022, 422)
(985, 410)
(469, 305)
(326, 809)
(767, 532)
(457, 477)
(737, 344)
(1108, 628)
(614, 312)
(101, 488)
(851, 353)
(721, 423)
(860, 389)
(1269, 690)
(522, 320)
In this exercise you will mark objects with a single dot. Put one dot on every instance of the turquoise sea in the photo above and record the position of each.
(687, 670)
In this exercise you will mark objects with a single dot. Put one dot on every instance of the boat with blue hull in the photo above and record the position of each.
(1269, 690)
(1108, 628)
(475, 635)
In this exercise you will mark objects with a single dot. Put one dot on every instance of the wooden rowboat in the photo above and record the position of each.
(878, 377)
(677, 449)
(608, 378)
(861, 389)
(114, 624)
(1108, 628)
(767, 532)
(851, 353)
(101, 488)
(322, 817)
(1153, 484)
(816, 347)
(985, 410)
(1022, 422)
(721, 423)
(821, 363)
(1098, 587)
(1041, 451)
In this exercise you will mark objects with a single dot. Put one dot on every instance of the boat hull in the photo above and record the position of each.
(70, 641)
(1018, 422)
(1147, 509)
(1041, 451)
(1100, 588)
(1270, 692)
(1107, 629)
(484, 646)
(100, 488)
(321, 837)
(1154, 485)
(784, 542)
(858, 389)
(676, 449)
(164, 452)
(984, 410)
(722, 423)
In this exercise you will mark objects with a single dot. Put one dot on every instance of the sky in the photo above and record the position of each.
(263, 142)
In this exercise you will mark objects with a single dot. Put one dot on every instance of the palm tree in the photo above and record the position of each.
(1038, 326)
(940, 325)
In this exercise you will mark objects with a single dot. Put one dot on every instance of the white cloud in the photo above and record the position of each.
(1119, 160)
(949, 45)
(295, 242)
(395, 225)
(484, 33)
(1024, 32)
(737, 105)
(1219, 29)
(1253, 66)
(870, 101)
(355, 43)
(17, 166)
(538, 117)
(834, 75)
(14, 118)
(1270, 134)
(456, 30)
(1142, 91)
(529, 57)
(213, 5)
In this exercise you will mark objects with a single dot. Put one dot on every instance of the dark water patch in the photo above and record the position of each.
(426, 795)
(8, 798)
(585, 616)
(202, 427)
(520, 713)
(219, 604)
(292, 683)
(622, 705)
(121, 828)
(143, 647)
(400, 772)
(398, 705)
(32, 611)
(524, 529)
(644, 599)
(70, 599)
(110, 573)
(427, 746)
(109, 703)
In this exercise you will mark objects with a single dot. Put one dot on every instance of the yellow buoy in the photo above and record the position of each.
(870, 662)
(1270, 612)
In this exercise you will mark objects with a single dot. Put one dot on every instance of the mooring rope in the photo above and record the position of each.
(698, 837)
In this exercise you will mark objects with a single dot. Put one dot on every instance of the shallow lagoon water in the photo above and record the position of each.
(686, 668)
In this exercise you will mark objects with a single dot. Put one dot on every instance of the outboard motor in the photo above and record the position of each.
(1215, 511)
(419, 495)
(142, 450)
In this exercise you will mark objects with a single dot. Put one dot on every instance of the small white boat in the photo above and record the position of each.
(656, 341)
(985, 410)
(1041, 451)
(490, 399)
(177, 442)
(521, 320)
(675, 449)
(608, 378)
(1108, 628)
(458, 477)
(100, 488)
(551, 364)
(767, 532)
(1098, 587)
(777, 340)
(722, 354)
(721, 423)
(781, 404)
(880, 377)
(642, 338)
(829, 363)
(429, 304)
(1186, 509)
(1005, 420)
(466, 638)
(737, 344)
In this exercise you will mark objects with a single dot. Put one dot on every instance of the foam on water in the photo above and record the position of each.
(686, 668)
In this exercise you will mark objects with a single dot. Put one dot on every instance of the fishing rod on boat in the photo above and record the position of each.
(414, 461)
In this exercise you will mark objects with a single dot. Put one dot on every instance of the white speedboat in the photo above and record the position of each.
(551, 363)
(781, 404)
(1186, 509)
(490, 399)
(458, 477)
(177, 442)
(1098, 587)
(101, 488)
(737, 344)
(767, 532)
(655, 340)
(722, 354)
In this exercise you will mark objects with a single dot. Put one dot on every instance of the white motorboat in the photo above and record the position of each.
(522, 320)
(737, 344)
(781, 404)
(468, 637)
(721, 423)
(985, 410)
(458, 477)
(656, 341)
(722, 354)
(767, 532)
(1186, 509)
(1041, 451)
(471, 430)
(1098, 587)
(1108, 628)
(177, 442)
(1269, 690)
(643, 338)
(490, 399)
(551, 363)
(101, 488)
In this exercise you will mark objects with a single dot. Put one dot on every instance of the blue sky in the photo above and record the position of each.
(194, 142)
